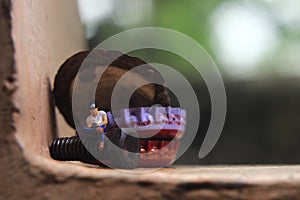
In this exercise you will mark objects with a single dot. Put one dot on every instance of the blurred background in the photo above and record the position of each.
(256, 46)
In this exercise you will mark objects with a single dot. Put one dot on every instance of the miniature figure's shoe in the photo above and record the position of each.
(101, 145)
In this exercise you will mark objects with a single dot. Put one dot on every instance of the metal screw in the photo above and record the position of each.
(114, 154)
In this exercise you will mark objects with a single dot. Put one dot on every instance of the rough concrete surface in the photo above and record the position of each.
(45, 33)
(27, 126)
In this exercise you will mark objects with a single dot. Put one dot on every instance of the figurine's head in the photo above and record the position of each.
(93, 106)
(93, 109)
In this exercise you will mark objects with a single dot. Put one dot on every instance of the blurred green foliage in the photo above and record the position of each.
(189, 17)
(194, 18)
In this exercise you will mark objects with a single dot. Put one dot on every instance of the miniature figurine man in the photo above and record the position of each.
(97, 119)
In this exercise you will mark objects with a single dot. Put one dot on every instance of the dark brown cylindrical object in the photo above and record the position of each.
(146, 95)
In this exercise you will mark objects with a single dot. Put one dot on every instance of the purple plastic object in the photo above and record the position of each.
(158, 128)
(151, 120)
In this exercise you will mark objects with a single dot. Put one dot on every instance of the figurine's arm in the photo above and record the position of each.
(104, 117)
(89, 125)
(104, 120)
(88, 122)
